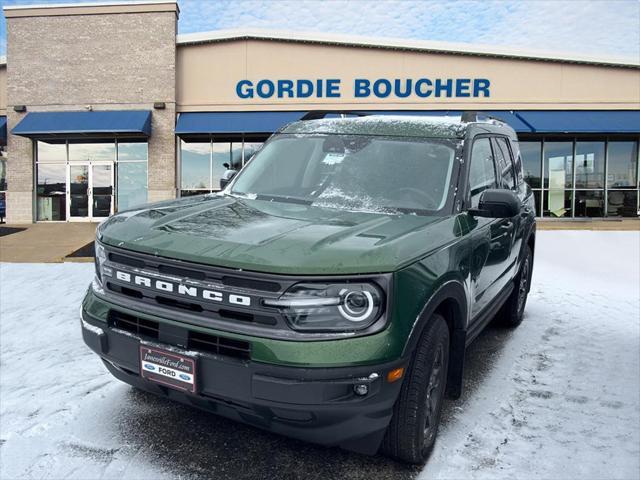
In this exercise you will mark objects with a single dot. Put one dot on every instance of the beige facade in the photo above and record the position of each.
(208, 74)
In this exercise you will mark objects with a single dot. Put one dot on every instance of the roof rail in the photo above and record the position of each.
(473, 116)
(317, 114)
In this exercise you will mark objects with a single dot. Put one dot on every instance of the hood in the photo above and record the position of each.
(276, 237)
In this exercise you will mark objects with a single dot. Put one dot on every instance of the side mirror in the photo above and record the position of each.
(227, 176)
(497, 203)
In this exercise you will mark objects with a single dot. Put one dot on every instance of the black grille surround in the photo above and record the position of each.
(253, 319)
(179, 336)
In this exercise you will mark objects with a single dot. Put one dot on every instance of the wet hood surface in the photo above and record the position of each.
(276, 237)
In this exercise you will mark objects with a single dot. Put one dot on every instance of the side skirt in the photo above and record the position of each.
(484, 317)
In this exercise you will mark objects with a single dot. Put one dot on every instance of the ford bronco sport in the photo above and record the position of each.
(329, 291)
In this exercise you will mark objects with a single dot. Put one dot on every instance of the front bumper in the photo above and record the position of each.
(311, 404)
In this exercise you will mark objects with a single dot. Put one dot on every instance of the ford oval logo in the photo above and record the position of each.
(185, 377)
(148, 366)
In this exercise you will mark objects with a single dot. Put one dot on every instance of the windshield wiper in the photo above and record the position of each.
(283, 198)
(417, 211)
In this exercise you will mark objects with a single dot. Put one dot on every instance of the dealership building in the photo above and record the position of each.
(104, 107)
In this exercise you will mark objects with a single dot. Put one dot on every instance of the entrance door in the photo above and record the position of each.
(101, 191)
(90, 191)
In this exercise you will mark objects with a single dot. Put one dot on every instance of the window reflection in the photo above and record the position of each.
(589, 164)
(221, 154)
(52, 152)
(92, 152)
(203, 163)
(250, 148)
(51, 191)
(196, 173)
(132, 184)
(623, 165)
(558, 165)
(128, 151)
(531, 153)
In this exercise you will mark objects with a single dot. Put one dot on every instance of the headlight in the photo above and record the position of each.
(330, 307)
(101, 258)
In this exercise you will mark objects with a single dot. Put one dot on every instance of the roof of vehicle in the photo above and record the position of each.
(384, 125)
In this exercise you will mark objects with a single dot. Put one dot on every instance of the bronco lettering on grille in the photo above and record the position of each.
(180, 289)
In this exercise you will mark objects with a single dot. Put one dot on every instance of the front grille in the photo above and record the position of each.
(219, 345)
(223, 281)
(132, 324)
(203, 342)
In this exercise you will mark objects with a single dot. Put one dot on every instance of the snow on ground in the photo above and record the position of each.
(559, 397)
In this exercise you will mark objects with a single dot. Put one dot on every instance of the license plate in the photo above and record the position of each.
(168, 368)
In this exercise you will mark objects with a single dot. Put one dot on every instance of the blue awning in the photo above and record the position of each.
(582, 121)
(206, 123)
(84, 124)
(3, 130)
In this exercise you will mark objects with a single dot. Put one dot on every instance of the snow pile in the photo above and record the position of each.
(563, 400)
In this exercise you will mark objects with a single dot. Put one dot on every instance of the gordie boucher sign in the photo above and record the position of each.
(366, 88)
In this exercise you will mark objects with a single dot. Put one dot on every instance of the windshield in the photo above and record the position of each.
(352, 172)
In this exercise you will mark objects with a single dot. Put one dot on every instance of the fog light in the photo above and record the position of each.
(361, 389)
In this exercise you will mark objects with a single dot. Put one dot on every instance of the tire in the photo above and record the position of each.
(411, 434)
(512, 311)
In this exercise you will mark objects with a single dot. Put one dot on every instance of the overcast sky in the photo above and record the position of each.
(608, 28)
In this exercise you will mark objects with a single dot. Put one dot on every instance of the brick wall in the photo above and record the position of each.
(109, 61)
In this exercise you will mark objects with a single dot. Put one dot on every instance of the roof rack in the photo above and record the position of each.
(317, 114)
(478, 117)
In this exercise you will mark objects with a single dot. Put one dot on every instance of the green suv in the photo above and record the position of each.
(328, 293)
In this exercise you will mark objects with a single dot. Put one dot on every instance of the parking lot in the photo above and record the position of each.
(557, 398)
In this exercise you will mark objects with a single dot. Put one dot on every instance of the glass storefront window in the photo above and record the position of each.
(132, 184)
(203, 163)
(622, 203)
(92, 152)
(557, 203)
(3, 172)
(196, 168)
(52, 152)
(51, 192)
(131, 151)
(589, 203)
(250, 148)
(531, 153)
(221, 154)
(589, 165)
(558, 165)
(622, 169)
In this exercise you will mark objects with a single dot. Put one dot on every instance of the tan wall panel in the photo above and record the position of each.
(207, 75)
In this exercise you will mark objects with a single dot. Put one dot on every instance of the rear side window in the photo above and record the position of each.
(517, 160)
(482, 174)
(506, 177)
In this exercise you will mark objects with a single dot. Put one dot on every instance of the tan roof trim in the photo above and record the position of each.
(401, 44)
(99, 8)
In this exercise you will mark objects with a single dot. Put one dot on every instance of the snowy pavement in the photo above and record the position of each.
(559, 397)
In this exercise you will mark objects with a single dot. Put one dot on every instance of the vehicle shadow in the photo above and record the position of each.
(189, 443)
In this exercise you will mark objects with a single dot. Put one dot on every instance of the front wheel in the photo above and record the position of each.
(412, 432)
